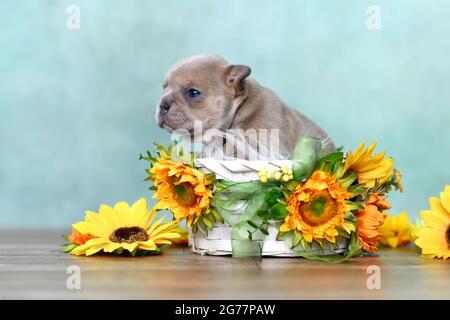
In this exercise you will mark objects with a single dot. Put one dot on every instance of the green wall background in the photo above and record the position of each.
(77, 105)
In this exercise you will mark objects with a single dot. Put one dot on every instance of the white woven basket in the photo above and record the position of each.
(218, 241)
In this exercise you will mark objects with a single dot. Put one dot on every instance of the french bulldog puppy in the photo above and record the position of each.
(223, 97)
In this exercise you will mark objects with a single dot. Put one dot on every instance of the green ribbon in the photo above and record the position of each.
(305, 157)
(353, 249)
(239, 203)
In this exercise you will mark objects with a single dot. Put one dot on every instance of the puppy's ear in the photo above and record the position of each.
(235, 77)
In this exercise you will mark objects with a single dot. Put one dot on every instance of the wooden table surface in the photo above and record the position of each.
(32, 267)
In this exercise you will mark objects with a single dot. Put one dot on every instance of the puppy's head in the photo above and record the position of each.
(201, 88)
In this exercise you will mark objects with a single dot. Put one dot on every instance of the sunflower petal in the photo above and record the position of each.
(155, 225)
(122, 208)
(434, 219)
(148, 245)
(445, 200)
(129, 246)
(90, 228)
(140, 213)
(164, 226)
(91, 246)
(432, 241)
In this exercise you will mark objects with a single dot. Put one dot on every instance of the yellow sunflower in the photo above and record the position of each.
(316, 208)
(416, 226)
(434, 238)
(185, 191)
(396, 230)
(183, 240)
(369, 168)
(123, 228)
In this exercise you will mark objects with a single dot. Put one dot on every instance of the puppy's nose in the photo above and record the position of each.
(164, 107)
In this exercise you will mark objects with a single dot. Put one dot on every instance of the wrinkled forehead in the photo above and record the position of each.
(195, 70)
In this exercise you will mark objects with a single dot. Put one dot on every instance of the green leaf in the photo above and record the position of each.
(252, 224)
(216, 215)
(286, 193)
(278, 211)
(263, 214)
(69, 247)
(272, 197)
(281, 236)
(332, 158)
(339, 171)
(353, 250)
(304, 244)
(210, 176)
(325, 166)
(350, 217)
(297, 238)
(201, 225)
(291, 185)
(343, 233)
(148, 158)
(356, 190)
(353, 205)
(162, 152)
(141, 252)
(194, 228)
(208, 222)
(320, 244)
(347, 180)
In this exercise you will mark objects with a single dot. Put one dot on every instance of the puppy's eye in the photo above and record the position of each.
(193, 93)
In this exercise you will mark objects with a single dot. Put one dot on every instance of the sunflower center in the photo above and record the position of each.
(320, 209)
(448, 235)
(129, 235)
(184, 193)
(317, 206)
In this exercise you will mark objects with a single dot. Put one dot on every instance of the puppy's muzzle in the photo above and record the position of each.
(164, 107)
